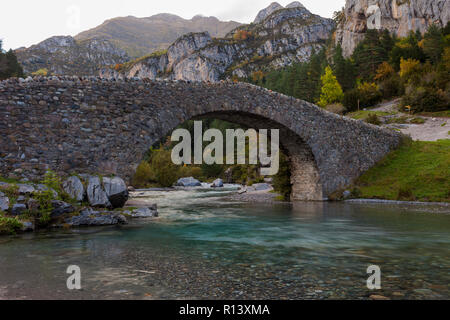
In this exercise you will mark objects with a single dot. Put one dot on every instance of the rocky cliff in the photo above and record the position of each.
(64, 55)
(281, 37)
(397, 16)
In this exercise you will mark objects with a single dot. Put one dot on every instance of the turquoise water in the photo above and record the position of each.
(204, 246)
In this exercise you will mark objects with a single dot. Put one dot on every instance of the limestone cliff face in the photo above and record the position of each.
(282, 37)
(397, 16)
(65, 55)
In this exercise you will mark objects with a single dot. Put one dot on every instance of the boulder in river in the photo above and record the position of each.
(116, 191)
(148, 212)
(217, 183)
(188, 182)
(74, 188)
(96, 195)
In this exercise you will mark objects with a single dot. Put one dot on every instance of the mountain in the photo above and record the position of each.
(114, 42)
(283, 36)
(141, 36)
(63, 55)
(398, 16)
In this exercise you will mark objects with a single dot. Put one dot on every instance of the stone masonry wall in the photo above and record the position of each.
(90, 125)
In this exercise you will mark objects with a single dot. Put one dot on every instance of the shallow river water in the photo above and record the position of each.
(204, 246)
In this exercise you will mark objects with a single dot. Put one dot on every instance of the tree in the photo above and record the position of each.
(433, 43)
(331, 89)
(343, 69)
(369, 54)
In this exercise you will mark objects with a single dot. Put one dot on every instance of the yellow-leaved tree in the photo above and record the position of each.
(331, 89)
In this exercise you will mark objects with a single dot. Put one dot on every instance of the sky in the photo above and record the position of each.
(27, 22)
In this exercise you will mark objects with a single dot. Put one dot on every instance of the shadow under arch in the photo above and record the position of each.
(305, 175)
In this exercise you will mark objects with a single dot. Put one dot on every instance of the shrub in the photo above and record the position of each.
(423, 99)
(143, 175)
(366, 94)
(372, 118)
(282, 181)
(391, 87)
(9, 225)
(242, 35)
(166, 172)
(41, 72)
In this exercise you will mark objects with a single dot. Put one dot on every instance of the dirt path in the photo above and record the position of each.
(432, 130)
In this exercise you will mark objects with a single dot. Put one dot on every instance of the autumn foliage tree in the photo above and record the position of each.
(331, 91)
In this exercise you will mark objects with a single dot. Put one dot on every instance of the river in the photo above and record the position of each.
(204, 246)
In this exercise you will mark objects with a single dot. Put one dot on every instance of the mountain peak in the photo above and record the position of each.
(295, 4)
(264, 13)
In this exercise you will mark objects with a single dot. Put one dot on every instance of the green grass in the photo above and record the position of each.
(417, 171)
(438, 114)
(364, 114)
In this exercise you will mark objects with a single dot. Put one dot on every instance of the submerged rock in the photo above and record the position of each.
(96, 195)
(74, 188)
(261, 186)
(188, 182)
(148, 212)
(89, 217)
(116, 191)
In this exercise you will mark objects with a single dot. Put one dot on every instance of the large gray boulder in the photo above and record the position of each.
(116, 191)
(217, 184)
(96, 195)
(4, 202)
(188, 182)
(74, 188)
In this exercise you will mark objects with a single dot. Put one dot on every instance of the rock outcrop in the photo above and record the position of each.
(398, 16)
(63, 55)
(280, 37)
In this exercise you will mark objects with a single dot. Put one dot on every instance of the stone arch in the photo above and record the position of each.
(90, 125)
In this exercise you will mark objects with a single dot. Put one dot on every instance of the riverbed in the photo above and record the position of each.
(206, 246)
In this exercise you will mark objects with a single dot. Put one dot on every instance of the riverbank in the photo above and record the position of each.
(417, 171)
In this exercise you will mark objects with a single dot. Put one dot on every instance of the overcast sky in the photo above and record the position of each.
(27, 22)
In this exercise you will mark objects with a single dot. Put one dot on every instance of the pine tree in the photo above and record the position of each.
(369, 54)
(433, 43)
(331, 89)
(343, 69)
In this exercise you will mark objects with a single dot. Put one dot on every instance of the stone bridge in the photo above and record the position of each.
(89, 125)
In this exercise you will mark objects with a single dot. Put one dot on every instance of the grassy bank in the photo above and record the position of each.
(417, 171)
